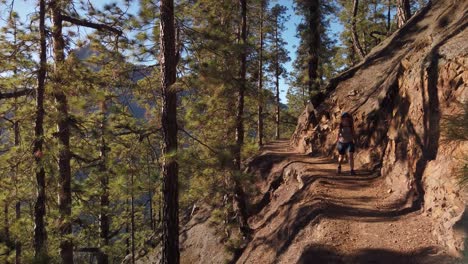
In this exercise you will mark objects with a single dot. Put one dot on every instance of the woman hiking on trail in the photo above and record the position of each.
(345, 141)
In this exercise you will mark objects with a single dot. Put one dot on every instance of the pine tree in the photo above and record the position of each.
(312, 39)
(63, 135)
(260, 78)
(314, 65)
(170, 252)
(279, 56)
(40, 235)
(239, 197)
(403, 12)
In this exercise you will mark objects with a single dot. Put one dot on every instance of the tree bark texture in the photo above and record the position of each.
(40, 235)
(63, 133)
(170, 224)
(403, 12)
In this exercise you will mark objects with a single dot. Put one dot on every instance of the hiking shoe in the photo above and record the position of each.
(339, 170)
(353, 172)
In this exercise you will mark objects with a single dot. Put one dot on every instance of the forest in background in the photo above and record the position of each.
(82, 142)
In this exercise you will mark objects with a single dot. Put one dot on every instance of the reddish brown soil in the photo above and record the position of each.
(336, 218)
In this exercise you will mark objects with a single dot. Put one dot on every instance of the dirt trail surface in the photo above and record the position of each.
(335, 218)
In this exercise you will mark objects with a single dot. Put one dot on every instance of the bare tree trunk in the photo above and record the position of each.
(239, 196)
(356, 43)
(403, 12)
(314, 45)
(170, 236)
(64, 194)
(260, 80)
(103, 258)
(40, 235)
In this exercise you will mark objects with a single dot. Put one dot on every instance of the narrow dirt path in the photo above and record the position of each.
(330, 218)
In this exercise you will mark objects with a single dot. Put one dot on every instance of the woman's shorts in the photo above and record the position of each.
(343, 147)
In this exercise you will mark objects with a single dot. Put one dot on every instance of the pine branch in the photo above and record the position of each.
(199, 141)
(97, 26)
(354, 35)
(142, 133)
(83, 159)
(89, 250)
(16, 94)
(375, 33)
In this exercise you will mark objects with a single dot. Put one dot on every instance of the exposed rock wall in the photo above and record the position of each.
(398, 97)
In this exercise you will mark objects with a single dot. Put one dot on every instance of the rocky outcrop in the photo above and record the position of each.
(201, 242)
(399, 96)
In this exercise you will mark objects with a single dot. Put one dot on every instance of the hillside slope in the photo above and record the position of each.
(414, 212)
(399, 96)
(404, 206)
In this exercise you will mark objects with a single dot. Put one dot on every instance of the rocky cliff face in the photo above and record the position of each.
(399, 96)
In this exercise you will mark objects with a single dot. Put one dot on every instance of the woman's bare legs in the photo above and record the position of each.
(340, 159)
(351, 161)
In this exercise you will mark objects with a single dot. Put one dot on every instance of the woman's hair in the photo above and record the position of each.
(346, 115)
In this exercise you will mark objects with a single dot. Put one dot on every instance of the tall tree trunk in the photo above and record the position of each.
(40, 235)
(170, 236)
(16, 130)
(18, 202)
(403, 12)
(64, 194)
(150, 194)
(132, 216)
(6, 222)
(260, 80)
(103, 258)
(18, 245)
(127, 227)
(314, 48)
(239, 196)
(356, 43)
(389, 17)
(277, 77)
(242, 84)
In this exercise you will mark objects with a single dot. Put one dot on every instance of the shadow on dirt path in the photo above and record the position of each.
(330, 218)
